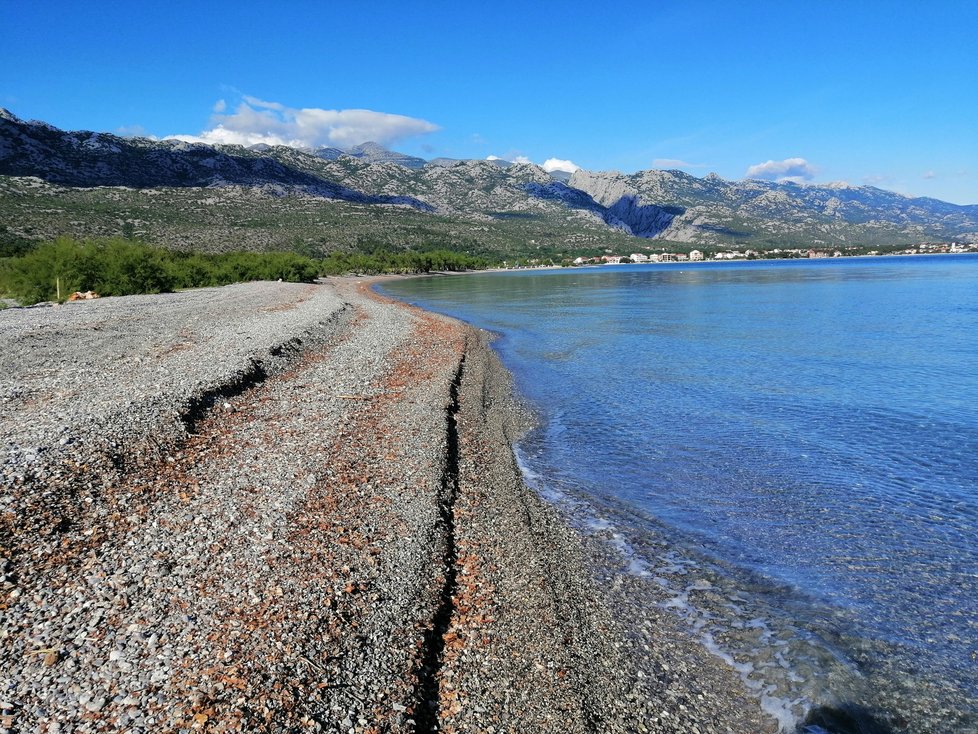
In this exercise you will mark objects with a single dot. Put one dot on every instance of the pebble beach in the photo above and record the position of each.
(274, 507)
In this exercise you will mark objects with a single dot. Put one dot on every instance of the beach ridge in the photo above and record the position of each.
(275, 507)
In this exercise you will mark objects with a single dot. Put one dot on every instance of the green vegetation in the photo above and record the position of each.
(337, 263)
(116, 267)
(232, 219)
(12, 244)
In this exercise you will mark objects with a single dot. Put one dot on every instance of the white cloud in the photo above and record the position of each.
(794, 170)
(930, 174)
(255, 102)
(257, 121)
(220, 105)
(556, 164)
(550, 165)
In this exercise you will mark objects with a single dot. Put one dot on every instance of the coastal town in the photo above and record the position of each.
(925, 248)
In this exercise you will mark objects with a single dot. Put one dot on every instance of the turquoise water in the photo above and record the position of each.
(802, 437)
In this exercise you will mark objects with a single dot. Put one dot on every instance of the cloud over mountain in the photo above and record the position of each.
(257, 121)
(550, 165)
(793, 170)
(556, 164)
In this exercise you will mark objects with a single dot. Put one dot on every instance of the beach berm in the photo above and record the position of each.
(274, 507)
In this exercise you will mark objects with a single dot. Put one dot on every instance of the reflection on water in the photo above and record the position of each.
(804, 435)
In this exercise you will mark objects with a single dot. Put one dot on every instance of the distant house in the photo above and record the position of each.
(681, 257)
(638, 257)
(611, 259)
(695, 255)
(668, 257)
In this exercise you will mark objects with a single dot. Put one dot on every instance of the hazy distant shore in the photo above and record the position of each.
(275, 507)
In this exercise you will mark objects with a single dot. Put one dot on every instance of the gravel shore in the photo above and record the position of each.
(275, 507)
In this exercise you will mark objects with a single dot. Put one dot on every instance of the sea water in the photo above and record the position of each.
(785, 451)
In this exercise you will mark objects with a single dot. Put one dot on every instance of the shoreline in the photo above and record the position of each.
(811, 663)
(271, 507)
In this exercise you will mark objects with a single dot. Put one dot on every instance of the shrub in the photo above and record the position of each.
(44, 273)
(118, 267)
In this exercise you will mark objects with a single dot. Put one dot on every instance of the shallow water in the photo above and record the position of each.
(786, 452)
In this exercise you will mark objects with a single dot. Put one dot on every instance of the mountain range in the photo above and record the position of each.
(60, 182)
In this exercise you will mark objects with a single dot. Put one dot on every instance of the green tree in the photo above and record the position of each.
(45, 273)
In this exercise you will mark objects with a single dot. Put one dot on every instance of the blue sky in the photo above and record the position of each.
(884, 93)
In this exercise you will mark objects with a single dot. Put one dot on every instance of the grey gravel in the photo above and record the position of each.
(274, 507)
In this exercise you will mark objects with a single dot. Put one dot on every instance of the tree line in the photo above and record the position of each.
(117, 267)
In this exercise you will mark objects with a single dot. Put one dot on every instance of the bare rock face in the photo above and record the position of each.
(375, 153)
(625, 206)
(675, 206)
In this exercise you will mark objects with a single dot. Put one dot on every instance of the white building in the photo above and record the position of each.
(638, 257)
(695, 255)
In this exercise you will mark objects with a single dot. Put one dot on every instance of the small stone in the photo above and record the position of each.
(52, 658)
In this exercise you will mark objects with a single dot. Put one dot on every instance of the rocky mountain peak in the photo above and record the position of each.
(327, 153)
(375, 153)
(369, 148)
(667, 205)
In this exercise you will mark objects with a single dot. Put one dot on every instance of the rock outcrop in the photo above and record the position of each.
(665, 205)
